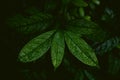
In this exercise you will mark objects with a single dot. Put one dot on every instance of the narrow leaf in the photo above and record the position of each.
(57, 49)
(35, 48)
(80, 49)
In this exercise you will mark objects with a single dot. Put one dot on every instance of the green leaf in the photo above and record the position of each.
(80, 49)
(36, 22)
(80, 3)
(87, 29)
(57, 49)
(81, 12)
(35, 48)
(88, 18)
(96, 2)
(82, 26)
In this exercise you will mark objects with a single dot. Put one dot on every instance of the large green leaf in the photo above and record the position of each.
(35, 48)
(80, 49)
(57, 49)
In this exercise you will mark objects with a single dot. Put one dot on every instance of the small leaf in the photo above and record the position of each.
(81, 12)
(80, 49)
(35, 48)
(96, 2)
(80, 3)
(88, 18)
(89, 75)
(57, 49)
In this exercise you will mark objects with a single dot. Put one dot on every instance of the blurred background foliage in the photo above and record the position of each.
(106, 46)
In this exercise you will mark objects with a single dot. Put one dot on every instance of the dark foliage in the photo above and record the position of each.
(97, 25)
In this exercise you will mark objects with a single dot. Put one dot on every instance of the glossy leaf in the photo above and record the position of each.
(80, 49)
(57, 49)
(35, 48)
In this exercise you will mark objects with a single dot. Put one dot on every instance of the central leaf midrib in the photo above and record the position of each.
(56, 55)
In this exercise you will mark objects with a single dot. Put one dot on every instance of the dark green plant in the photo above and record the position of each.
(65, 26)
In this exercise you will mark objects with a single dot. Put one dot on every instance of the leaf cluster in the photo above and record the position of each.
(68, 26)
